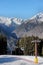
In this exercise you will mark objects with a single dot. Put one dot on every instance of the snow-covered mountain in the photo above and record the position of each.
(7, 25)
(32, 26)
(38, 17)
(16, 27)
(20, 27)
(7, 21)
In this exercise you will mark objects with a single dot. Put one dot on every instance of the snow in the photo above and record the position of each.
(7, 21)
(40, 15)
(17, 21)
(19, 60)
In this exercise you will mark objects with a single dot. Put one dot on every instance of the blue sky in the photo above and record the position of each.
(20, 8)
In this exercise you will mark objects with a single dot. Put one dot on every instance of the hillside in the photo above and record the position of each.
(32, 26)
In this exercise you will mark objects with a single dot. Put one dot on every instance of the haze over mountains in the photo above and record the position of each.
(16, 27)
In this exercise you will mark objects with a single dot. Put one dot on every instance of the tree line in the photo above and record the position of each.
(28, 47)
(3, 44)
(24, 46)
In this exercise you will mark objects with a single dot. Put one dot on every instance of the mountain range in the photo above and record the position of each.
(15, 28)
(32, 26)
(7, 26)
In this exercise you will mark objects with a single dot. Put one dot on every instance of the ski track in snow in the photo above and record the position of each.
(19, 60)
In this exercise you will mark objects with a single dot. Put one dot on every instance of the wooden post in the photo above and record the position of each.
(36, 50)
(36, 42)
(36, 59)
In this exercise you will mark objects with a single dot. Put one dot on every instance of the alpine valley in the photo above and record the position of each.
(15, 28)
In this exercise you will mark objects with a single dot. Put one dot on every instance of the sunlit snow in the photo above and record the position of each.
(19, 60)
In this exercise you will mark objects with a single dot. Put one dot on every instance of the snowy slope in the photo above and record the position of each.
(38, 16)
(31, 27)
(7, 21)
(19, 60)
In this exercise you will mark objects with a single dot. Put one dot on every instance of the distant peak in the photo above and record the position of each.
(7, 21)
(18, 20)
(39, 15)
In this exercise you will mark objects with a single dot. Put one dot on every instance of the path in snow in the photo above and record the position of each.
(19, 60)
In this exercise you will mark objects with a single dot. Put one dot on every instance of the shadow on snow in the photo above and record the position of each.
(9, 59)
